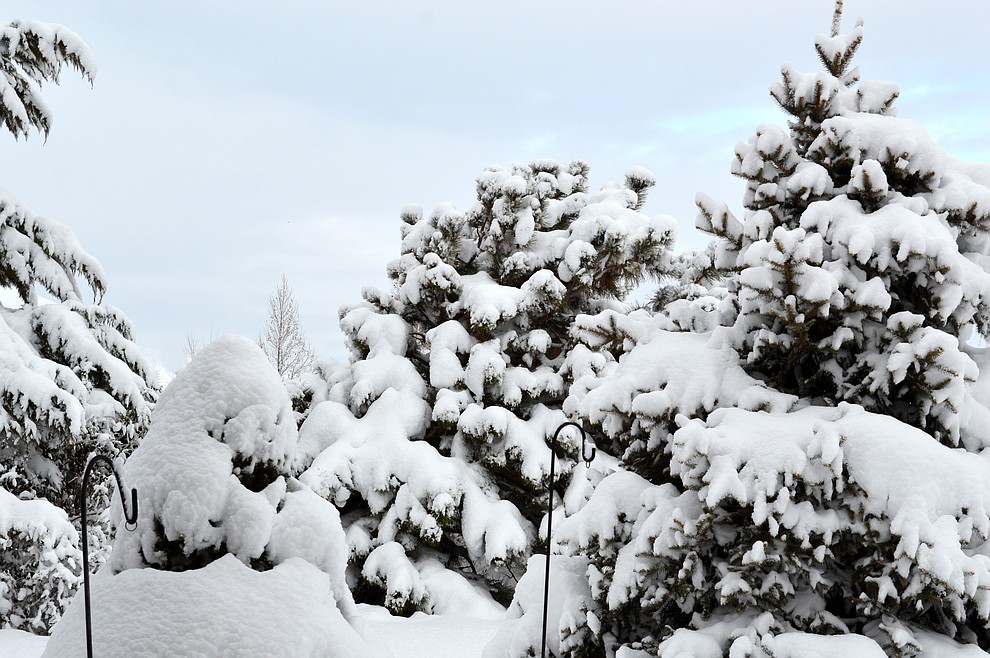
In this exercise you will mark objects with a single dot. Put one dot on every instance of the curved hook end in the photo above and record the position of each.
(130, 520)
(588, 458)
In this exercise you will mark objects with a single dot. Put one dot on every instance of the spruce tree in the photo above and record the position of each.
(790, 437)
(857, 269)
(434, 441)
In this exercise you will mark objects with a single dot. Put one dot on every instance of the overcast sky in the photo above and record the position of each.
(225, 144)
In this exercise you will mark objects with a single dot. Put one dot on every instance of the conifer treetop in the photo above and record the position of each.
(31, 53)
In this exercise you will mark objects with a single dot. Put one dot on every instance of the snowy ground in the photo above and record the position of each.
(426, 636)
(420, 636)
(20, 644)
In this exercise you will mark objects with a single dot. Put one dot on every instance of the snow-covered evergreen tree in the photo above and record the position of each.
(813, 486)
(74, 381)
(32, 53)
(860, 259)
(434, 441)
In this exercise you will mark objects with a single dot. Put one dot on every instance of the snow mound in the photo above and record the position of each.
(223, 609)
(521, 632)
(21, 643)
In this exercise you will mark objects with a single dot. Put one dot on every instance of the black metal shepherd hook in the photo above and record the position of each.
(588, 458)
(130, 520)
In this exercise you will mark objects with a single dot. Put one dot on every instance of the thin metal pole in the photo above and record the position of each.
(129, 519)
(553, 458)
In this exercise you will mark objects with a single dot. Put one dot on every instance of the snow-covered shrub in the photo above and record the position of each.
(214, 476)
(756, 509)
(435, 438)
(520, 636)
(40, 563)
(230, 554)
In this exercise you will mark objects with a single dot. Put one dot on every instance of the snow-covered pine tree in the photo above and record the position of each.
(749, 521)
(859, 261)
(434, 441)
(74, 379)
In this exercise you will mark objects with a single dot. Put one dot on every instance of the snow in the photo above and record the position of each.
(21, 644)
(522, 630)
(939, 646)
(808, 645)
(50, 35)
(869, 177)
(38, 518)
(308, 527)
(426, 636)
(388, 567)
(446, 342)
(419, 636)
(45, 252)
(225, 608)
(834, 48)
(83, 339)
(655, 379)
(429, 636)
(938, 516)
(489, 302)
(373, 456)
(227, 405)
(761, 451)
(455, 597)
(641, 176)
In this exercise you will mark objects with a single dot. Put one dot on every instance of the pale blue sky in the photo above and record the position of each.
(226, 143)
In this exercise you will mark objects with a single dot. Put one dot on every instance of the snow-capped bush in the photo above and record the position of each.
(40, 563)
(214, 476)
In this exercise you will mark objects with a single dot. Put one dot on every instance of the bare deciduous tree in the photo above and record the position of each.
(283, 340)
(194, 344)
